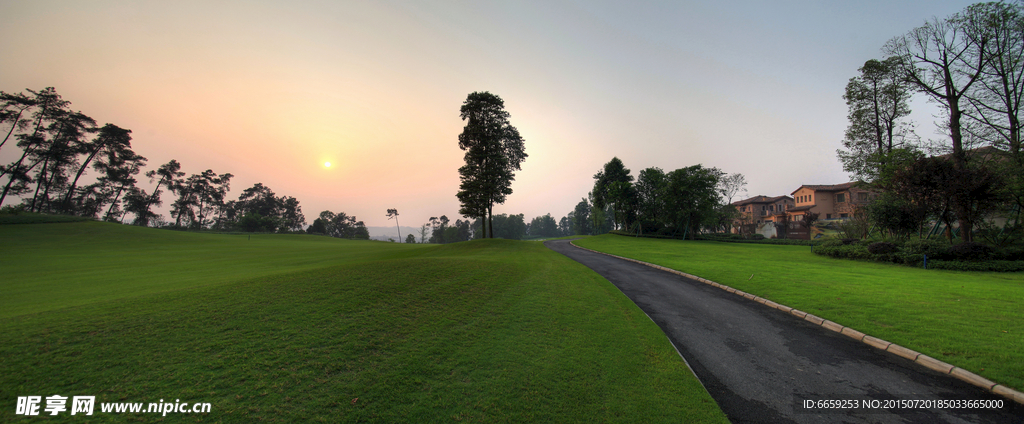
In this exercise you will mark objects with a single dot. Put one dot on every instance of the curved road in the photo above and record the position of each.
(761, 364)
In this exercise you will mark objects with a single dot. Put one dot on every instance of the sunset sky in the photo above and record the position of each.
(269, 91)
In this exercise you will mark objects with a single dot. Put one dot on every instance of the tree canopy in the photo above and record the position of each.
(494, 151)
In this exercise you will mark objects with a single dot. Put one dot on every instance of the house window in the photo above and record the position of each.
(828, 216)
(863, 196)
(843, 215)
(841, 198)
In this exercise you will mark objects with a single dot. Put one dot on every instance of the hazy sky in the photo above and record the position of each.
(269, 91)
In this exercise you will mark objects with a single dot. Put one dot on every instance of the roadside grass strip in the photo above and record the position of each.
(491, 331)
(970, 320)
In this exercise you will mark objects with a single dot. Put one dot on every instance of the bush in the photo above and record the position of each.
(934, 249)
(854, 228)
(882, 248)
(13, 209)
(989, 266)
(912, 259)
(912, 253)
(894, 216)
(1010, 253)
(833, 242)
(835, 248)
(971, 251)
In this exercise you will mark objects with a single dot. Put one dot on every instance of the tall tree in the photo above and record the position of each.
(58, 154)
(424, 230)
(565, 225)
(393, 213)
(544, 226)
(137, 202)
(692, 198)
(118, 168)
(878, 101)
(12, 112)
(613, 187)
(494, 151)
(731, 185)
(110, 138)
(581, 224)
(651, 205)
(944, 59)
(168, 173)
(995, 101)
(292, 218)
(48, 107)
(440, 226)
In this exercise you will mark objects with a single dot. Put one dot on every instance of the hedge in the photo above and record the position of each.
(961, 257)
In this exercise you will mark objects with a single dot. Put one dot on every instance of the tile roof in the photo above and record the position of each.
(760, 199)
(833, 187)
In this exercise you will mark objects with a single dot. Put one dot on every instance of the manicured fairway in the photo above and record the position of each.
(971, 320)
(52, 266)
(487, 331)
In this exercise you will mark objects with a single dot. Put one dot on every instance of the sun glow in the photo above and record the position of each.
(327, 164)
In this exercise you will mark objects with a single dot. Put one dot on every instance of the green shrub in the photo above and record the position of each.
(987, 266)
(912, 259)
(882, 248)
(835, 248)
(971, 251)
(1010, 253)
(833, 242)
(12, 209)
(935, 249)
(733, 238)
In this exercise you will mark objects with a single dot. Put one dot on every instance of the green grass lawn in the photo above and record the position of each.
(302, 328)
(972, 320)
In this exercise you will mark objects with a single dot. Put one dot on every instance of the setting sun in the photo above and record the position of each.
(327, 164)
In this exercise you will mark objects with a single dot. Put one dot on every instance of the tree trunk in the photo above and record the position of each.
(39, 184)
(17, 119)
(71, 191)
(17, 170)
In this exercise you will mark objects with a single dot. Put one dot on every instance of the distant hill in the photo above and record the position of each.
(392, 231)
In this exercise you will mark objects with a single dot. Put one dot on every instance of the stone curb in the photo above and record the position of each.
(924, 360)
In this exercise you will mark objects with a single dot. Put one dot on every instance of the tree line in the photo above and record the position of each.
(58, 145)
(683, 202)
(971, 65)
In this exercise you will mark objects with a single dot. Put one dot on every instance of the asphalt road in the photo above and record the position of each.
(761, 365)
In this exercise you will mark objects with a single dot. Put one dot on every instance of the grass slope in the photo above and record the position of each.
(971, 320)
(52, 266)
(492, 331)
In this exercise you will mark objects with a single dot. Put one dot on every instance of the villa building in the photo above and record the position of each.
(829, 201)
(761, 209)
